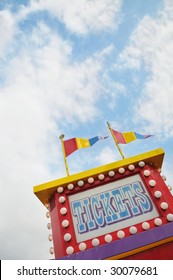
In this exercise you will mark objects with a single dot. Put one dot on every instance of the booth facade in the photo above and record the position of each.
(122, 210)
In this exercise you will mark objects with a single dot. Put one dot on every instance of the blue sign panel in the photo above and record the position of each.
(111, 207)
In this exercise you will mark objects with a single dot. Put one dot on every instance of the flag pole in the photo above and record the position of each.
(61, 137)
(115, 140)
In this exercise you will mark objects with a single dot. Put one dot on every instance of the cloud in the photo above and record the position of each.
(107, 155)
(80, 17)
(150, 49)
(7, 30)
(44, 90)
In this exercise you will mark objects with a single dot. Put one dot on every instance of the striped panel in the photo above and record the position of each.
(119, 137)
(129, 136)
(93, 140)
(82, 143)
(70, 146)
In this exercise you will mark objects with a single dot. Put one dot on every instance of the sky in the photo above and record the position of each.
(68, 67)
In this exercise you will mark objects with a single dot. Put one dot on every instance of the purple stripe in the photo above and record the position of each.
(123, 245)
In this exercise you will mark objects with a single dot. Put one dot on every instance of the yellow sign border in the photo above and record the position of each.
(45, 191)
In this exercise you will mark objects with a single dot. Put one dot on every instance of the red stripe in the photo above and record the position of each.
(70, 146)
(119, 137)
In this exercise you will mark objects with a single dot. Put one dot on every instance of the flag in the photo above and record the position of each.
(73, 144)
(127, 137)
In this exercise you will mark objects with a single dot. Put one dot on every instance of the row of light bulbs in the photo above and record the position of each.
(108, 237)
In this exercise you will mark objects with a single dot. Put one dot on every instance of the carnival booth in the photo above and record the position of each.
(122, 210)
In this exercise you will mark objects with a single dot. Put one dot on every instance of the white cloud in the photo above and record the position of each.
(43, 89)
(151, 47)
(7, 30)
(80, 17)
(107, 155)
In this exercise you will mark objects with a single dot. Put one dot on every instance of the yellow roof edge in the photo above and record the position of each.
(45, 190)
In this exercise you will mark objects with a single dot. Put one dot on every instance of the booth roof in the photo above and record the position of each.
(46, 190)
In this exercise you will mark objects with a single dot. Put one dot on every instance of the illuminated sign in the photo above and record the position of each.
(111, 207)
(109, 211)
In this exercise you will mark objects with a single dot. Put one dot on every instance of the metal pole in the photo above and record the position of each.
(115, 140)
(61, 137)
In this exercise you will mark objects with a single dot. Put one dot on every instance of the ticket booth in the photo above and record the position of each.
(121, 210)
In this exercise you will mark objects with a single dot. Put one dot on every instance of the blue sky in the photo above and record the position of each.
(70, 68)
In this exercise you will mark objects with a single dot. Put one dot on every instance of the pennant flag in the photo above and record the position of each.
(73, 144)
(127, 137)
